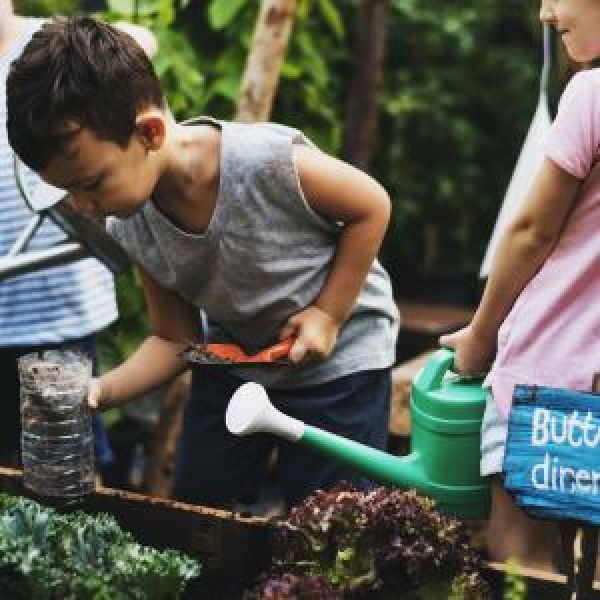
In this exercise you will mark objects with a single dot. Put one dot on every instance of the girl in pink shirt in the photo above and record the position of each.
(539, 317)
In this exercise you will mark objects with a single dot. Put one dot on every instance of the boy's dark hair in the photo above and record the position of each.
(76, 71)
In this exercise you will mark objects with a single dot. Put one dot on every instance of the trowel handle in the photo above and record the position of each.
(431, 375)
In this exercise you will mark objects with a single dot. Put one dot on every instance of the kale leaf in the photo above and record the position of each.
(45, 555)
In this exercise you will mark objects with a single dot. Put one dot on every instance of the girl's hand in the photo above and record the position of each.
(473, 354)
(315, 332)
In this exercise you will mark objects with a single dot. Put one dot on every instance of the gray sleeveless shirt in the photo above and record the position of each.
(263, 257)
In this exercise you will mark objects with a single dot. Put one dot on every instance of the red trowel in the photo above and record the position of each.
(231, 355)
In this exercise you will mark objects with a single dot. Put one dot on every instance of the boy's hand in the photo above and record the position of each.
(473, 354)
(315, 332)
(97, 395)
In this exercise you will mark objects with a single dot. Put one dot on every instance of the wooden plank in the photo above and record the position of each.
(541, 585)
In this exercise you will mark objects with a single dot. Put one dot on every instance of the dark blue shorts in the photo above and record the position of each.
(215, 467)
(10, 418)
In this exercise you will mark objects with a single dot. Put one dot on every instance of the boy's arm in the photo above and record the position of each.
(521, 252)
(173, 323)
(340, 192)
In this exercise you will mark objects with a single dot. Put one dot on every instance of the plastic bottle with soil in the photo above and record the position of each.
(57, 442)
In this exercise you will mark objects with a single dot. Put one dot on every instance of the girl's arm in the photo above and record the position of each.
(173, 323)
(339, 192)
(522, 250)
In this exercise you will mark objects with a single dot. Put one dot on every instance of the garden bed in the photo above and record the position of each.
(233, 549)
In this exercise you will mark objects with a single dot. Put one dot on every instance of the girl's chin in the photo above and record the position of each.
(581, 55)
(578, 56)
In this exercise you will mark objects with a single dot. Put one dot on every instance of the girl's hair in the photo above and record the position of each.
(76, 73)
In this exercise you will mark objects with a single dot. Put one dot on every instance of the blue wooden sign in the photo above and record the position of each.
(552, 459)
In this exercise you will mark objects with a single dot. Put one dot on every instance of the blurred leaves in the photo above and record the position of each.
(45, 8)
(222, 12)
(460, 89)
(176, 61)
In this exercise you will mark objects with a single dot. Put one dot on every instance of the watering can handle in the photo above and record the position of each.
(431, 375)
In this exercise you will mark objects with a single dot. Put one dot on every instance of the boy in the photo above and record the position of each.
(249, 225)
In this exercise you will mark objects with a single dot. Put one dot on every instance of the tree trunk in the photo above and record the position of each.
(360, 129)
(267, 52)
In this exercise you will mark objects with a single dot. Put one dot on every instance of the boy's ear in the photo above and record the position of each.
(151, 129)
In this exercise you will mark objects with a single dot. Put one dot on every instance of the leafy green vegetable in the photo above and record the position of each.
(516, 587)
(45, 555)
(386, 543)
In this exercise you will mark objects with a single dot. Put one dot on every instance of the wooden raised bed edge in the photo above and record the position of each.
(541, 585)
(233, 548)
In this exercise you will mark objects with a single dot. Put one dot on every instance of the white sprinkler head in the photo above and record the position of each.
(250, 411)
(246, 408)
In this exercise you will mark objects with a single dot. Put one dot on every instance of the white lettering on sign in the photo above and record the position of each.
(551, 428)
(539, 431)
(550, 475)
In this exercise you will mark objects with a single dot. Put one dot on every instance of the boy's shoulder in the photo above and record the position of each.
(267, 129)
(246, 144)
(261, 130)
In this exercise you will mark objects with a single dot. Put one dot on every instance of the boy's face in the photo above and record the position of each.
(578, 24)
(104, 178)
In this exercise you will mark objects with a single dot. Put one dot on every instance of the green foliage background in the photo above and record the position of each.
(461, 83)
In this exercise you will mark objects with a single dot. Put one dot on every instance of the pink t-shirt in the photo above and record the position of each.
(552, 334)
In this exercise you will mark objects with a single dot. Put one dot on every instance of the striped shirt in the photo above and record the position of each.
(51, 305)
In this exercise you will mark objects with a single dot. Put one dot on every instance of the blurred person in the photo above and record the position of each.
(58, 307)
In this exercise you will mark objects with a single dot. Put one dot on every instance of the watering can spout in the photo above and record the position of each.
(250, 411)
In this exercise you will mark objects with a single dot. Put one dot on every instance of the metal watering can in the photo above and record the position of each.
(446, 413)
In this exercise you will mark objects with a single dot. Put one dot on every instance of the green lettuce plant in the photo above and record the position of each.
(45, 555)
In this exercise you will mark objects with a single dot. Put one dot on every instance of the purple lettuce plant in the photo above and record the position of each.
(377, 544)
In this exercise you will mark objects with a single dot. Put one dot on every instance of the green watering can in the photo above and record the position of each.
(446, 415)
